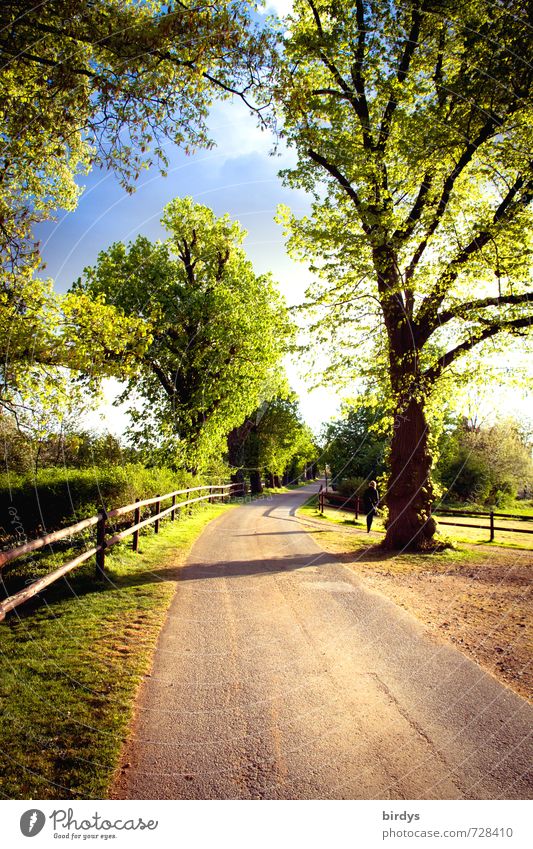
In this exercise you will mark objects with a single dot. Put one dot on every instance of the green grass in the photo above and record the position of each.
(517, 507)
(453, 534)
(72, 664)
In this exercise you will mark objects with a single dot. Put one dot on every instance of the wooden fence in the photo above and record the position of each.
(353, 504)
(103, 541)
(490, 517)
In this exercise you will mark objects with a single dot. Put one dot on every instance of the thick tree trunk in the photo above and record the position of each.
(256, 486)
(277, 482)
(270, 479)
(410, 493)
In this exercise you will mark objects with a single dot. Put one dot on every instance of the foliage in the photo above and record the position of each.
(58, 496)
(273, 440)
(107, 83)
(355, 444)
(69, 446)
(486, 465)
(352, 486)
(53, 348)
(283, 436)
(412, 128)
(217, 331)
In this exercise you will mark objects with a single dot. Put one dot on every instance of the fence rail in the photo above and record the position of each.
(353, 504)
(491, 527)
(104, 542)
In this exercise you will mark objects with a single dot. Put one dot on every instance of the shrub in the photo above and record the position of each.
(352, 486)
(59, 496)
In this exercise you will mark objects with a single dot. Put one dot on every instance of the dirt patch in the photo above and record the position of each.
(479, 599)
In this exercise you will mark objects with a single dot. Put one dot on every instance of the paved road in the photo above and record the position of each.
(278, 675)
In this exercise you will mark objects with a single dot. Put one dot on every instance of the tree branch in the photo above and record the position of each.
(464, 310)
(358, 77)
(433, 373)
(406, 230)
(403, 70)
(427, 314)
(448, 185)
(343, 182)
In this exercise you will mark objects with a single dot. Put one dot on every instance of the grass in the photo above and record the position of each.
(452, 533)
(73, 661)
(517, 507)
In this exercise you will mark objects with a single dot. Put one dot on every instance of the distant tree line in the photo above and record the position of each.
(485, 464)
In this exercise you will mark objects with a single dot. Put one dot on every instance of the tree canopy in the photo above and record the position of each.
(355, 445)
(485, 464)
(412, 127)
(217, 331)
(106, 83)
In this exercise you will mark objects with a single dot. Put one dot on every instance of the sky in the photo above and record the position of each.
(240, 176)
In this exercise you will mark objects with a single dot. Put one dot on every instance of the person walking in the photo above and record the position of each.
(370, 503)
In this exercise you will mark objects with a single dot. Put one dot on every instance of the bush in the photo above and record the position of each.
(59, 496)
(352, 486)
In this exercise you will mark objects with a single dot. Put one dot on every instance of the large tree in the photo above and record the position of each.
(217, 330)
(412, 124)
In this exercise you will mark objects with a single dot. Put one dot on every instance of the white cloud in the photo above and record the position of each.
(280, 7)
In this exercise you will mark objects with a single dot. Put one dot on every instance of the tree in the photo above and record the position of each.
(105, 83)
(217, 330)
(356, 444)
(273, 440)
(485, 464)
(53, 347)
(412, 126)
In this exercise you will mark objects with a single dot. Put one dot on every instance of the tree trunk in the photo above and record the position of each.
(256, 486)
(410, 493)
(277, 482)
(270, 479)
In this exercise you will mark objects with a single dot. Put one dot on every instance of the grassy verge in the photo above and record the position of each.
(456, 534)
(71, 666)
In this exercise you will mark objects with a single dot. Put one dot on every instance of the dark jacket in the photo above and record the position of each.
(370, 499)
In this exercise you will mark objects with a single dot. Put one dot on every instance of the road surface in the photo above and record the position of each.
(278, 675)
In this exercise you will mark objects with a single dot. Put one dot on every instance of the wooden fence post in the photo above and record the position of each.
(491, 526)
(100, 541)
(356, 506)
(157, 511)
(173, 511)
(136, 520)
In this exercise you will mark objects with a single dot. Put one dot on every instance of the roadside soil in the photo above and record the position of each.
(478, 597)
